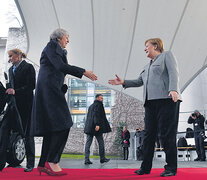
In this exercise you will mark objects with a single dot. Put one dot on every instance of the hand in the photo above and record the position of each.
(97, 128)
(193, 117)
(10, 91)
(174, 95)
(90, 75)
(116, 81)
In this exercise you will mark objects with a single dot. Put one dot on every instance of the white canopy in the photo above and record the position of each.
(107, 36)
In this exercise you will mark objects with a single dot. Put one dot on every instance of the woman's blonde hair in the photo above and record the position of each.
(156, 42)
(17, 51)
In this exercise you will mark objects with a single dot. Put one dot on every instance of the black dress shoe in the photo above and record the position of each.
(197, 159)
(167, 173)
(88, 162)
(104, 160)
(28, 169)
(141, 171)
(202, 159)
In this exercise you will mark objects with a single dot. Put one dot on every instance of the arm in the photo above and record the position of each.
(127, 83)
(30, 81)
(55, 56)
(191, 120)
(172, 69)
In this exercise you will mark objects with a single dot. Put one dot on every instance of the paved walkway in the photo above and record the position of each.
(122, 164)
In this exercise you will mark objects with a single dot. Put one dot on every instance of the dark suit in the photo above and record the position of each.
(23, 82)
(96, 117)
(50, 114)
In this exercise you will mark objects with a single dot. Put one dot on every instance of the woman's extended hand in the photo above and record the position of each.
(116, 81)
(174, 95)
(90, 75)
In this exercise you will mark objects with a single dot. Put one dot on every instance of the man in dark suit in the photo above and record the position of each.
(96, 124)
(22, 81)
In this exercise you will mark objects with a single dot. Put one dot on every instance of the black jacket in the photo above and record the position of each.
(198, 124)
(50, 112)
(125, 137)
(23, 82)
(96, 117)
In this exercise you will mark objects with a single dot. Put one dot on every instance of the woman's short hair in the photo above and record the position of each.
(58, 34)
(156, 41)
(17, 51)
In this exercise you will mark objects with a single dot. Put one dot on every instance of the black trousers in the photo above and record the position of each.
(100, 144)
(161, 114)
(125, 153)
(200, 150)
(53, 146)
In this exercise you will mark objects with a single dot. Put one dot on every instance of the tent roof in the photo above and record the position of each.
(107, 36)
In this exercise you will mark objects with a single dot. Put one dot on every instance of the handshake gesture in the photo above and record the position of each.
(117, 81)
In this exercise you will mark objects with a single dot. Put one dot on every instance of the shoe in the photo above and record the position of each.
(167, 173)
(87, 162)
(104, 160)
(47, 169)
(202, 159)
(28, 169)
(141, 171)
(197, 159)
(41, 169)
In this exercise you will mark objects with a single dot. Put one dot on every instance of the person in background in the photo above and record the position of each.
(125, 136)
(51, 117)
(22, 81)
(96, 124)
(199, 134)
(161, 98)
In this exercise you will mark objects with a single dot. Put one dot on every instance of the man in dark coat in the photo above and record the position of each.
(199, 134)
(22, 81)
(96, 124)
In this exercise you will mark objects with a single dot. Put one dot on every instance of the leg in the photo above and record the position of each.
(127, 153)
(30, 151)
(124, 153)
(87, 147)
(150, 136)
(45, 149)
(57, 144)
(168, 121)
(101, 146)
(197, 146)
(202, 149)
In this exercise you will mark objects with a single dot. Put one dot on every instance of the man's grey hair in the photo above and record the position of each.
(58, 33)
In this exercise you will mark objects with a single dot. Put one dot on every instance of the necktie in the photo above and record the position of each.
(14, 68)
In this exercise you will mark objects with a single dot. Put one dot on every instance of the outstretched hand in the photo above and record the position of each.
(116, 81)
(90, 75)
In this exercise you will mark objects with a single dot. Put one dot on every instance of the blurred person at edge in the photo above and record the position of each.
(161, 101)
(50, 114)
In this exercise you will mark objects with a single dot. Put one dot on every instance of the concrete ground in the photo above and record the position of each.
(122, 164)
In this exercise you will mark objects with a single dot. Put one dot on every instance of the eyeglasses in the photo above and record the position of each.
(10, 55)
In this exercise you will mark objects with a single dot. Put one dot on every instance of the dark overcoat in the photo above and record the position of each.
(23, 82)
(50, 111)
(96, 117)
